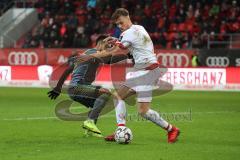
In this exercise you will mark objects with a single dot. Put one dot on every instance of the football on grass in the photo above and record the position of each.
(123, 135)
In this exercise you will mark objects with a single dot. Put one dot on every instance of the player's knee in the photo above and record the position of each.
(71, 94)
(143, 108)
(142, 112)
(116, 96)
(102, 91)
(102, 100)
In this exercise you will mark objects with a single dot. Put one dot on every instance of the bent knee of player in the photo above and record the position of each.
(71, 93)
(143, 107)
(104, 91)
(116, 96)
(164, 86)
(102, 99)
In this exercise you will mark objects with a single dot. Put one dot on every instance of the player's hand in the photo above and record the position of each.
(53, 94)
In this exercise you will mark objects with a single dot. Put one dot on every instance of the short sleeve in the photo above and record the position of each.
(127, 38)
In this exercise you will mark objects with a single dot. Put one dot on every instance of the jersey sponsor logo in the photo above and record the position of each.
(214, 61)
(174, 59)
(23, 58)
(196, 76)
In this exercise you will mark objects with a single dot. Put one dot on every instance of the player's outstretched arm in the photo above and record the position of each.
(116, 51)
(119, 47)
(112, 51)
(99, 54)
(55, 92)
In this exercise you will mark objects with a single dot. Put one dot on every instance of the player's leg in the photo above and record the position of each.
(145, 111)
(152, 115)
(86, 95)
(90, 123)
(99, 101)
(120, 108)
(97, 107)
(144, 97)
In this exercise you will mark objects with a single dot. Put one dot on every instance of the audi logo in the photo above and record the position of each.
(23, 58)
(217, 61)
(174, 59)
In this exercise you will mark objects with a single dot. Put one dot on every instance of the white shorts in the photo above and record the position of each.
(143, 82)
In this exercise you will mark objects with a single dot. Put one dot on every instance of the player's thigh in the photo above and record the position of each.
(87, 102)
(123, 92)
(84, 91)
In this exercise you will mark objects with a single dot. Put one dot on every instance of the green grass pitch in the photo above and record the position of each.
(209, 123)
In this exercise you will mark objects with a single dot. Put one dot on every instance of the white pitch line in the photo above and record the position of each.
(28, 118)
(220, 112)
(110, 116)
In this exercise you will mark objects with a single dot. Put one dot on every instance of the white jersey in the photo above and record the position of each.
(140, 45)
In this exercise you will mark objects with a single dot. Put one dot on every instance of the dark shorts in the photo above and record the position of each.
(84, 94)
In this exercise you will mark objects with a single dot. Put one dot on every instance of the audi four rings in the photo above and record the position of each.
(215, 61)
(174, 59)
(23, 58)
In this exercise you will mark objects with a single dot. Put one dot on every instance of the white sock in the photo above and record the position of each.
(121, 112)
(157, 119)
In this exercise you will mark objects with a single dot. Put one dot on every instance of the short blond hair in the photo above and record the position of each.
(119, 12)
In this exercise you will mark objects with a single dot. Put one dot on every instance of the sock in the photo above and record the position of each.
(98, 106)
(157, 119)
(121, 112)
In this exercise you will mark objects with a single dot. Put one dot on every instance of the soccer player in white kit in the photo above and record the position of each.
(136, 40)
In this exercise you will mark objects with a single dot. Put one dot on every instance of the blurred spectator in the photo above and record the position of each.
(91, 3)
(170, 23)
(77, 40)
(5, 5)
(196, 41)
(178, 41)
(215, 8)
(63, 29)
(84, 41)
(56, 44)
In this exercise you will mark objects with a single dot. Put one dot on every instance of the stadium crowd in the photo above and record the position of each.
(170, 23)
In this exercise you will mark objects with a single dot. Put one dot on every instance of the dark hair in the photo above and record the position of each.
(119, 12)
(101, 37)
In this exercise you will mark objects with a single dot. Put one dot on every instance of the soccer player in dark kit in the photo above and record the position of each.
(81, 89)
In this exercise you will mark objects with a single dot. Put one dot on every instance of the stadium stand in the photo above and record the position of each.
(176, 24)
